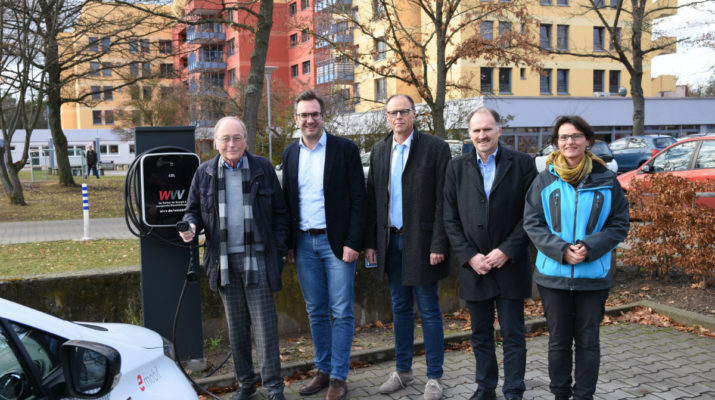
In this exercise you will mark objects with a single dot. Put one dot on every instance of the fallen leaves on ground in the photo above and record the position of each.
(647, 316)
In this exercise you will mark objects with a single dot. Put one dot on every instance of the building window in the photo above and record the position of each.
(562, 2)
(133, 45)
(165, 47)
(134, 69)
(380, 49)
(106, 69)
(106, 43)
(108, 93)
(109, 117)
(599, 3)
(562, 81)
(96, 117)
(615, 40)
(504, 80)
(292, 9)
(111, 149)
(380, 89)
(132, 148)
(146, 69)
(231, 77)
(93, 69)
(545, 82)
(134, 92)
(562, 37)
(357, 93)
(96, 93)
(598, 38)
(146, 92)
(293, 40)
(545, 36)
(504, 28)
(545, 2)
(306, 67)
(614, 3)
(231, 47)
(136, 117)
(294, 70)
(304, 35)
(522, 73)
(598, 75)
(614, 81)
(304, 4)
(166, 70)
(378, 9)
(93, 44)
(485, 79)
(145, 45)
(486, 30)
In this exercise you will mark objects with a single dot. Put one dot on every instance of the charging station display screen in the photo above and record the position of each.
(165, 183)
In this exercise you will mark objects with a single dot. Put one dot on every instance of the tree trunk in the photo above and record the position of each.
(254, 89)
(11, 181)
(54, 102)
(441, 87)
(637, 72)
(638, 104)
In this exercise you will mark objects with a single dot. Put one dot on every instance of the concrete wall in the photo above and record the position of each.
(114, 295)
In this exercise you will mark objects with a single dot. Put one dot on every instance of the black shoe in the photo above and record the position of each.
(513, 398)
(560, 397)
(245, 393)
(482, 394)
(276, 396)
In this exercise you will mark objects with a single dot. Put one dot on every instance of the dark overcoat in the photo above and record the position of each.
(476, 224)
(423, 225)
(343, 189)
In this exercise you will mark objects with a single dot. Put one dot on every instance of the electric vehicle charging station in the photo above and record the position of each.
(164, 180)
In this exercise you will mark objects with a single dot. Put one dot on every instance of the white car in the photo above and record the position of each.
(43, 357)
(599, 148)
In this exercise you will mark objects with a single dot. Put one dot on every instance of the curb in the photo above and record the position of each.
(681, 316)
(387, 353)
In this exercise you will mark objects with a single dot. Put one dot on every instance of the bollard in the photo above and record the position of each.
(85, 207)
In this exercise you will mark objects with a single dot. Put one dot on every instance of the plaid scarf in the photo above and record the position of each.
(250, 263)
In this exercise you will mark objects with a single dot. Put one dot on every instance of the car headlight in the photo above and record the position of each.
(168, 348)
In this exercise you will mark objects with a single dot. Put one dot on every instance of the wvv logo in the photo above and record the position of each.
(171, 194)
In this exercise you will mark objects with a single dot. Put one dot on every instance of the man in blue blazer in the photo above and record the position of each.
(324, 187)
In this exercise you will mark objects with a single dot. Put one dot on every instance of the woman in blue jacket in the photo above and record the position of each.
(575, 214)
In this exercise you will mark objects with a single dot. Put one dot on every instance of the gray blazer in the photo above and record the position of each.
(423, 225)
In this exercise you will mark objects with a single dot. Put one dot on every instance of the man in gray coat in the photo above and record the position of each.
(483, 210)
(405, 236)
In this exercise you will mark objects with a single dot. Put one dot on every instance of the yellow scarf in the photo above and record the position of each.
(573, 175)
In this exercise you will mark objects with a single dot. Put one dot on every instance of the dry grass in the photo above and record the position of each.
(47, 200)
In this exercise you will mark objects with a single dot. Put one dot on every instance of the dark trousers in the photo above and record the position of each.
(511, 322)
(573, 317)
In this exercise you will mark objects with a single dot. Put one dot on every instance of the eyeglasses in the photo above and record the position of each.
(305, 116)
(227, 139)
(576, 137)
(403, 113)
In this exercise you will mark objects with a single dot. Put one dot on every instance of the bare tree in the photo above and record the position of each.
(152, 104)
(21, 93)
(422, 54)
(629, 25)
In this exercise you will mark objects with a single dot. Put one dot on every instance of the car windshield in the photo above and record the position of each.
(600, 149)
(663, 142)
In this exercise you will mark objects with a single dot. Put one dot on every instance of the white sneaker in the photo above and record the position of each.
(396, 381)
(433, 390)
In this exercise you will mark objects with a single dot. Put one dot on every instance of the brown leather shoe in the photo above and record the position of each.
(319, 381)
(337, 390)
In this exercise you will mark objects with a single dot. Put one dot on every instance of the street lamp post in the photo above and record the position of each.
(269, 71)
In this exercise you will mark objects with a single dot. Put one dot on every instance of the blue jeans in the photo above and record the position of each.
(327, 284)
(403, 298)
(574, 318)
(511, 323)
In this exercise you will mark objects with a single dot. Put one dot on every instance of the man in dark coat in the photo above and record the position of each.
(324, 188)
(483, 210)
(237, 200)
(405, 236)
(91, 162)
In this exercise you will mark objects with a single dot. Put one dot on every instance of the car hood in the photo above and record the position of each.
(124, 333)
(625, 179)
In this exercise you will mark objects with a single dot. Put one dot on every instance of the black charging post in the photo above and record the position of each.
(163, 264)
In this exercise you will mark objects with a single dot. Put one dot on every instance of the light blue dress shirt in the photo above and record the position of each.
(407, 143)
(488, 170)
(311, 197)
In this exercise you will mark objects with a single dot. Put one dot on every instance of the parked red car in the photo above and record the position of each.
(692, 159)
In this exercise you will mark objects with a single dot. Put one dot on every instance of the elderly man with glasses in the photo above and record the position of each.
(324, 188)
(237, 200)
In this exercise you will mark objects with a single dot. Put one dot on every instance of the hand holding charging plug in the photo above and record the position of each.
(188, 234)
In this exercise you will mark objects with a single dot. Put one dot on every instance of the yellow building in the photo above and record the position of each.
(117, 52)
(558, 26)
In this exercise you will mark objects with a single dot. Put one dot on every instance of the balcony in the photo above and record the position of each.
(332, 4)
(207, 66)
(203, 7)
(332, 39)
(205, 34)
(334, 72)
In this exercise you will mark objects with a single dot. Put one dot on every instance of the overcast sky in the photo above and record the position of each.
(692, 65)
